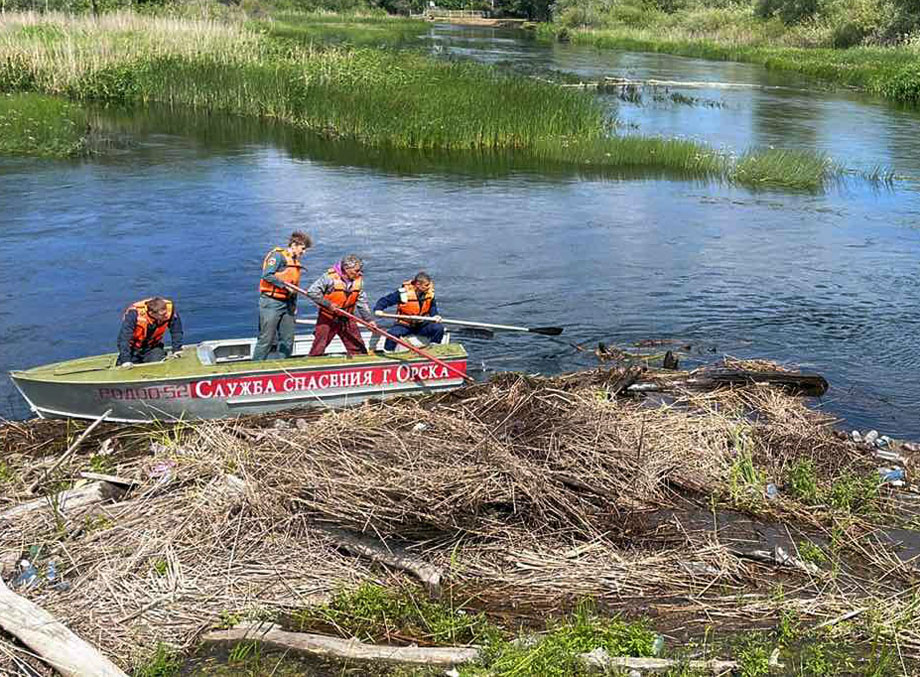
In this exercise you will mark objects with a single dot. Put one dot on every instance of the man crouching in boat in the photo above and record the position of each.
(142, 330)
(277, 302)
(414, 297)
(342, 286)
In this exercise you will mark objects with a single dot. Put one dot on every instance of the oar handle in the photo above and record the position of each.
(385, 334)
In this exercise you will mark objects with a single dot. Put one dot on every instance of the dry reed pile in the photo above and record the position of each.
(540, 489)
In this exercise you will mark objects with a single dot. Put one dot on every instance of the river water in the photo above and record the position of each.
(186, 206)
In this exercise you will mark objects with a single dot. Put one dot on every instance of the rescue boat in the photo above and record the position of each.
(218, 379)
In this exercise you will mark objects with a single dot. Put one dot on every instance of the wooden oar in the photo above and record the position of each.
(547, 331)
(385, 334)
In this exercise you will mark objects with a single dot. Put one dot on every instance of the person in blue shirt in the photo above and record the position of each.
(414, 297)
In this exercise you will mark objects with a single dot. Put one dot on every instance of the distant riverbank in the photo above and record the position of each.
(735, 33)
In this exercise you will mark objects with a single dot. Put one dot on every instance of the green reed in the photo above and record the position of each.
(374, 97)
(32, 124)
(790, 169)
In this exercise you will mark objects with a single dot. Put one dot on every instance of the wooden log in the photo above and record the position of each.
(70, 499)
(794, 383)
(111, 479)
(352, 649)
(346, 649)
(51, 639)
(599, 660)
(390, 555)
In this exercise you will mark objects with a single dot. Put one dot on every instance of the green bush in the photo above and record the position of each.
(789, 11)
(847, 35)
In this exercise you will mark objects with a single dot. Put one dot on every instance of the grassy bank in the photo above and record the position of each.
(373, 97)
(357, 30)
(37, 125)
(734, 33)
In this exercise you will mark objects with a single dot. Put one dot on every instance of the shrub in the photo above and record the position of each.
(848, 34)
(789, 11)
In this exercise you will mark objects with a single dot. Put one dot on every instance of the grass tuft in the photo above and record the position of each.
(376, 614)
(36, 125)
(802, 170)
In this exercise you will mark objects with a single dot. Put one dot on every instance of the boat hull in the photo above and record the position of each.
(246, 390)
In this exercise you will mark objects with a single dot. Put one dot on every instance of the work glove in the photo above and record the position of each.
(175, 354)
(436, 318)
(378, 313)
(126, 365)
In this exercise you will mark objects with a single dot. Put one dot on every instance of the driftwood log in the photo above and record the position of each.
(352, 649)
(50, 639)
(794, 383)
(391, 555)
(347, 649)
(70, 499)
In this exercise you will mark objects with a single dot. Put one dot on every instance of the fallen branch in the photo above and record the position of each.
(779, 557)
(352, 649)
(348, 649)
(393, 556)
(70, 499)
(72, 448)
(50, 639)
(840, 619)
(112, 479)
(600, 660)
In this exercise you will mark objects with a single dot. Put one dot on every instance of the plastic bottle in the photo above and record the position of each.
(27, 575)
(891, 475)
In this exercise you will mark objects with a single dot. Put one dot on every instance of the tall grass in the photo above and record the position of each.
(373, 96)
(376, 98)
(32, 124)
(360, 30)
(793, 169)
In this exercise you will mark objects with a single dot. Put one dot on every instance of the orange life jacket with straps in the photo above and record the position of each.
(290, 274)
(341, 296)
(411, 304)
(143, 338)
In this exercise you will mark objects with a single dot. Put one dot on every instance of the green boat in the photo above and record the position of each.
(218, 379)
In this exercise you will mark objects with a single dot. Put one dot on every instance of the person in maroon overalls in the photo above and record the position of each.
(342, 286)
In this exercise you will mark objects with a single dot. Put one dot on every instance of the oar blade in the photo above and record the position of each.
(546, 331)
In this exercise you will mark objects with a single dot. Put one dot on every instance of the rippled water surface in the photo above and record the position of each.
(187, 206)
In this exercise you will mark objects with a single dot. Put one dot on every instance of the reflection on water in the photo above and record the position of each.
(186, 206)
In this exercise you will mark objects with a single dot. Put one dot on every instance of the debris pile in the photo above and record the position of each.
(522, 492)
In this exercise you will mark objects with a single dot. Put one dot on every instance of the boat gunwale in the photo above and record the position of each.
(380, 361)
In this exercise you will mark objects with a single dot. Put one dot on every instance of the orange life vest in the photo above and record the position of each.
(290, 274)
(142, 338)
(410, 304)
(340, 296)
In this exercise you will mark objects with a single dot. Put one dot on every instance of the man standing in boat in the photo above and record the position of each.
(342, 286)
(277, 301)
(414, 297)
(143, 327)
